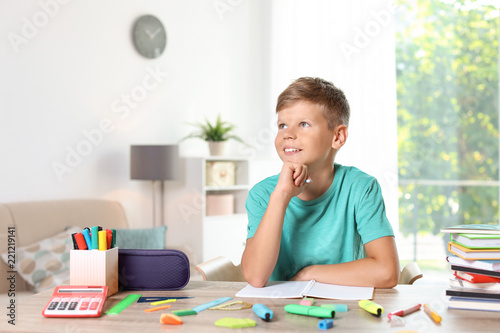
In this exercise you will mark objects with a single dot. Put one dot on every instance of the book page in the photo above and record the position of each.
(299, 289)
(275, 289)
(332, 291)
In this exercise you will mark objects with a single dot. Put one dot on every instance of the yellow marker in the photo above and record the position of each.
(431, 313)
(165, 301)
(371, 307)
(103, 244)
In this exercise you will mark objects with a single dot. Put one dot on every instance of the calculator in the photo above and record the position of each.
(76, 301)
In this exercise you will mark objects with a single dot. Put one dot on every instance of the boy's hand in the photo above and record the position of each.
(292, 179)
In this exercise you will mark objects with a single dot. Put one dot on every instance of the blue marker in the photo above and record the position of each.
(263, 311)
(86, 235)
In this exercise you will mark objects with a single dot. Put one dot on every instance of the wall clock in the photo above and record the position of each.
(149, 35)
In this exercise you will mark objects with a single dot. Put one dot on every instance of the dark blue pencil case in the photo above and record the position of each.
(152, 269)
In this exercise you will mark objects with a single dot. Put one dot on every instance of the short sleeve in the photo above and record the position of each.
(371, 219)
(257, 201)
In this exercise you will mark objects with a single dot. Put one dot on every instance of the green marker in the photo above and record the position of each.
(123, 304)
(94, 237)
(185, 312)
(113, 238)
(308, 310)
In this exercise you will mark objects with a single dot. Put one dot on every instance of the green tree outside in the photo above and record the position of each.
(447, 100)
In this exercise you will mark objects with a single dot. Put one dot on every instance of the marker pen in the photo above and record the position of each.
(262, 311)
(86, 235)
(80, 241)
(404, 312)
(371, 307)
(432, 314)
(95, 238)
(75, 245)
(103, 244)
(109, 237)
(313, 311)
(113, 239)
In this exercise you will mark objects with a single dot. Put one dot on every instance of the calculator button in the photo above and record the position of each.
(52, 306)
(94, 305)
(62, 306)
(64, 303)
(85, 304)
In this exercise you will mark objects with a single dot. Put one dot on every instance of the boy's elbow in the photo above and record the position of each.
(389, 279)
(254, 279)
(257, 283)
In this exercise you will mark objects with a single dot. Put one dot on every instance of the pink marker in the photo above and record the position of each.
(401, 313)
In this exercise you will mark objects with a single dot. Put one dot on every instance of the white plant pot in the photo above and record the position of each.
(216, 147)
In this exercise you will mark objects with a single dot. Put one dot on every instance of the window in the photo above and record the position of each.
(447, 104)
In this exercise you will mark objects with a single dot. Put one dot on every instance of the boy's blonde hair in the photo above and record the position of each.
(318, 91)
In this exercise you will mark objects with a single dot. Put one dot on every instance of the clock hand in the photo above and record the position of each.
(153, 35)
(147, 32)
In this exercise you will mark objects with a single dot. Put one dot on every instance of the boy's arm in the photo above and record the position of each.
(379, 269)
(262, 250)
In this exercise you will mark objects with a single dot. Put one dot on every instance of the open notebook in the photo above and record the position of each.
(299, 289)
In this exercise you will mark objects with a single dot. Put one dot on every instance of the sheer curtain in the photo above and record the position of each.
(352, 44)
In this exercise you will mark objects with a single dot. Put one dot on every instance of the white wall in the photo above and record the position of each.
(70, 76)
(352, 44)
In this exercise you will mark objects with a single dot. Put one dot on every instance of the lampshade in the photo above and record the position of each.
(157, 162)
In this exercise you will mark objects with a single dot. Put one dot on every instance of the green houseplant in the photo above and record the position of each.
(215, 134)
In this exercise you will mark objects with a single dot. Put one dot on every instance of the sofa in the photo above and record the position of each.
(35, 221)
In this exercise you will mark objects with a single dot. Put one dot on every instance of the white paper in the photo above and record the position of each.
(295, 289)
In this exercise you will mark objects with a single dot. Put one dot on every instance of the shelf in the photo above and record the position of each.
(218, 235)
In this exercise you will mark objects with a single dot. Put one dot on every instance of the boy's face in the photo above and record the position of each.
(303, 135)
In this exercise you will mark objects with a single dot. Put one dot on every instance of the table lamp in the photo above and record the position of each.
(156, 163)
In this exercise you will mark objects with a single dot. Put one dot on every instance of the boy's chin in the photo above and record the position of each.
(292, 159)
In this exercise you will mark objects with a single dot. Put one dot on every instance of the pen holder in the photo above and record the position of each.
(94, 268)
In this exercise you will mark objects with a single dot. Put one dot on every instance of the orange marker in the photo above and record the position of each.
(158, 308)
(431, 313)
(170, 319)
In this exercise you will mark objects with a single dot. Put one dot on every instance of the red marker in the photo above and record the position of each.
(109, 237)
(80, 241)
(401, 313)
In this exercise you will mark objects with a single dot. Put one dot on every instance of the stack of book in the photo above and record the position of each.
(475, 264)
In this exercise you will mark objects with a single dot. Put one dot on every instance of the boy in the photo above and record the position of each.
(316, 218)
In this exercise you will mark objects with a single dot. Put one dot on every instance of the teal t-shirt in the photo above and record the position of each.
(330, 229)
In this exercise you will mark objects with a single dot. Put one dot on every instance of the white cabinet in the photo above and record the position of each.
(220, 235)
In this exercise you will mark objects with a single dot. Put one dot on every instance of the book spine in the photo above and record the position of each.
(475, 270)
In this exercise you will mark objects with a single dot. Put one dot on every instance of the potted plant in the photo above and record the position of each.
(215, 134)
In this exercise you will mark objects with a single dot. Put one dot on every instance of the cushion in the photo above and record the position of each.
(45, 263)
(150, 238)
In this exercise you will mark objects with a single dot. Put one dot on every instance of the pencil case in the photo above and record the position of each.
(152, 269)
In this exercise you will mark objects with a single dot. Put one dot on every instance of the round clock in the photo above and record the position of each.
(150, 37)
